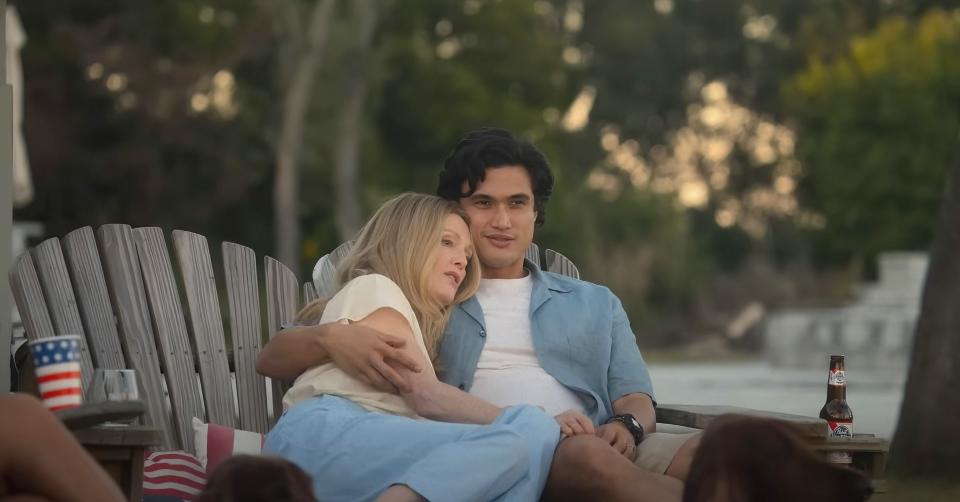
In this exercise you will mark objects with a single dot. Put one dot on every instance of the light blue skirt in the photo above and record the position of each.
(354, 455)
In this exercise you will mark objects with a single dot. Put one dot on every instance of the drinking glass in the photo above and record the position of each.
(115, 385)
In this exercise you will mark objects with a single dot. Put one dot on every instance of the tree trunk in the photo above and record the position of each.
(350, 126)
(296, 102)
(927, 441)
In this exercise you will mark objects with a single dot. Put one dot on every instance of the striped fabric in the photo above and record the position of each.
(216, 443)
(172, 474)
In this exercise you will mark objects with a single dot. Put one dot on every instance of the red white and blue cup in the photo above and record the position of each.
(57, 363)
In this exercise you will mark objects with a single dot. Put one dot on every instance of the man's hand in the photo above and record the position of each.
(574, 423)
(618, 436)
(370, 355)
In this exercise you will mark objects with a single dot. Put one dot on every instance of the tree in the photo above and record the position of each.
(926, 439)
(356, 85)
(150, 111)
(303, 60)
(877, 126)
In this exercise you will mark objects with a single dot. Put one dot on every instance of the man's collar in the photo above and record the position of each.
(543, 286)
(548, 281)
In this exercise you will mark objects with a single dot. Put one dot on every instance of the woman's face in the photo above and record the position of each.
(455, 250)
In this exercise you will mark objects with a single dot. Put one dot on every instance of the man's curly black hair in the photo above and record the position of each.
(487, 148)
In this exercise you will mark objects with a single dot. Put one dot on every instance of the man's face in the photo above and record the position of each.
(501, 220)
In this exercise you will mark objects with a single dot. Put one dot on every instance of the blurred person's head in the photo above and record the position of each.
(422, 243)
(504, 185)
(250, 478)
(751, 459)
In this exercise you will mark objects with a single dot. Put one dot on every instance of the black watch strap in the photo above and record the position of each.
(631, 423)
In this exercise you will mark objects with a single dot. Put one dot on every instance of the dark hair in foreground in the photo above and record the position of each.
(750, 459)
(487, 148)
(250, 478)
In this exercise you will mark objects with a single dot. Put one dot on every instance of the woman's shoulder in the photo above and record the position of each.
(371, 284)
(365, 294)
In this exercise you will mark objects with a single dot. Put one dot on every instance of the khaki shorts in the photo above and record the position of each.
(657, 450)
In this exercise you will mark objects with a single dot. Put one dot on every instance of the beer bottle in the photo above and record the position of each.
(836, 411)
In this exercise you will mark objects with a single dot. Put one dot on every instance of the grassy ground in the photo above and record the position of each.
(905, 490)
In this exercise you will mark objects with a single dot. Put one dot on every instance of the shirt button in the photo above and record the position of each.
(483, 333)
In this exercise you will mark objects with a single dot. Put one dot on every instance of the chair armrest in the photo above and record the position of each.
(88, 415)
(700, 416)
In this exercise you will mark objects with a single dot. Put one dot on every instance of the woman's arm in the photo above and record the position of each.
(293, 351)
(428, 396)
(361, 352)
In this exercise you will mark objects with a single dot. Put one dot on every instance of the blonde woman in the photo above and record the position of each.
(409, 264)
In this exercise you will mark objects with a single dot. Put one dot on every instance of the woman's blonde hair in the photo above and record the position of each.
(401, 241)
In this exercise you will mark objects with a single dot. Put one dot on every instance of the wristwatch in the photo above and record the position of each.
(631, 423)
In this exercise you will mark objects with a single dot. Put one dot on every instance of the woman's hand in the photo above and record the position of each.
(371, 355)
(574, 423)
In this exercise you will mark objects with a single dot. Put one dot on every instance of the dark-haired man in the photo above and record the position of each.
(527, 336)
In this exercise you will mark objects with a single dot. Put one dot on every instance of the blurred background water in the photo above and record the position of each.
(874, 395)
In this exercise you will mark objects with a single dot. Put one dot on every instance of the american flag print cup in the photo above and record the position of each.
(57, 363)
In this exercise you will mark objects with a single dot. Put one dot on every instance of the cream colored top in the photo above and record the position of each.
(355, 301)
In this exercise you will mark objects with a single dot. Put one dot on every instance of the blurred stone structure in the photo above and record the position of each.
(876, 331)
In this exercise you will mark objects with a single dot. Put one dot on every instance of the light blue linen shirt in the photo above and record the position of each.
(581, 335)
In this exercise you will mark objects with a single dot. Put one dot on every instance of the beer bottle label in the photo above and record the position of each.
(839, 430)
(837, 377)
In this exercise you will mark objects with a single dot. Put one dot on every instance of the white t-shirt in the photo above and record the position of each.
(508, 372)
(358, 299)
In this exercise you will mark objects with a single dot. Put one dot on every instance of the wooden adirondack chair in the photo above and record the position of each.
(121, 291)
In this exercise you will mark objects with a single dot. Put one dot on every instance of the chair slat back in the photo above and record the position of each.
(309, 293)
(340, 252)
(283, 296)
(136, 327)
(61, 302)
(123, 294)
(560, 264)
(28, 295)
(83, 261)
(196, 270)
(175, 348)
(282, 302)
(325, 272)
(533, 253)
(324, 277)
(243, 297)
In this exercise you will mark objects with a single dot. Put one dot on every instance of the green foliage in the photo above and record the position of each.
(873, 143)
(879, 125)
(109, 126)
(447, 71)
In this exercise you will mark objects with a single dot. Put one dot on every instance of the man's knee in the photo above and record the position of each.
(584, 459)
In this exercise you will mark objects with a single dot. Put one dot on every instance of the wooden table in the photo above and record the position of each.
(118, 448)
(869, 452)
(120, 451)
